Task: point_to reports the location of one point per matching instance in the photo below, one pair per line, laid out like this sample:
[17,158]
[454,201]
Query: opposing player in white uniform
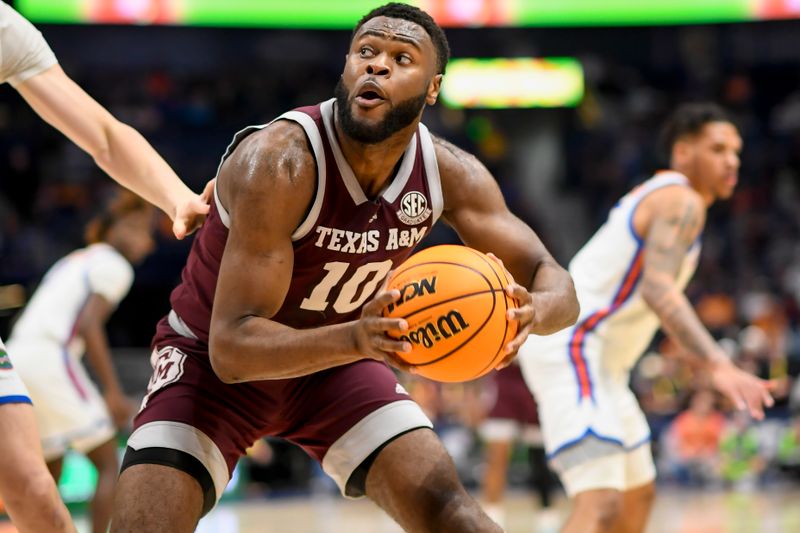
[630,278]
[64,320]
[28,64]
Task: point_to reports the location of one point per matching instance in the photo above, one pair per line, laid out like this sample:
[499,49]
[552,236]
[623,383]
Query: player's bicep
[267,184]
[675,225]
[254,275]
[506,236]
[476,209]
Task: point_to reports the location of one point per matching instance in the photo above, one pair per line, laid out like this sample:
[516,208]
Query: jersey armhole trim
[314,137]
[224,216]
[431,171]
[310,128]
[671,181]
[223,213]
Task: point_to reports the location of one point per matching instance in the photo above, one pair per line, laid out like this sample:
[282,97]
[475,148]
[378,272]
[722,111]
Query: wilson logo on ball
[413,208]
[411,290]
[436,330]
[454,301]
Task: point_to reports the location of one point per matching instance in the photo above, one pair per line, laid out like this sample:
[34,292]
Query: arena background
[189,88]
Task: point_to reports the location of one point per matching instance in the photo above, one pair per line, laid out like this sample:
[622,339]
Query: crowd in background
[747,289]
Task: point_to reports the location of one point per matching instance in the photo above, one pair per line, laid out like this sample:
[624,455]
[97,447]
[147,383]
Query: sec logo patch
[413,208]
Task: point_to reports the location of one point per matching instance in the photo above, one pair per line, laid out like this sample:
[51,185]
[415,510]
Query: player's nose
[379,66]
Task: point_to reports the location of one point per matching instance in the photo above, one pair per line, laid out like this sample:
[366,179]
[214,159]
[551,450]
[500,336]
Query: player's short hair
[687,120]
[413,14]
[121,204]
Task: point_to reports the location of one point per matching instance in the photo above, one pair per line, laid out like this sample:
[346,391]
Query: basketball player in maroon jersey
[311,213]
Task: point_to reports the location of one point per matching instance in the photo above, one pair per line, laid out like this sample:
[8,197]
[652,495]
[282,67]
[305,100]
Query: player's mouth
[370,95]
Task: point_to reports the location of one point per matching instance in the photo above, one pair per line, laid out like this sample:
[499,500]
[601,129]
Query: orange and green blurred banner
[343,14]
[501,83]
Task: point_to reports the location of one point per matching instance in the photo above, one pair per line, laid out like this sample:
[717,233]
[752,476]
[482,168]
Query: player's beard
[398,117]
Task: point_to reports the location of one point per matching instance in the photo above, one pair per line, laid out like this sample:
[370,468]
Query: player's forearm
[259,349]
[679,320]
[99,356]
[554,298]
[116,147]
[128,158]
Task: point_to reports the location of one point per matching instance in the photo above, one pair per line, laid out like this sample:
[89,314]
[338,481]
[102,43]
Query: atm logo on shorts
[5,362]
[167,366]
[413,208]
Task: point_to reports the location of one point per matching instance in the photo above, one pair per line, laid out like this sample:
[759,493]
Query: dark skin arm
[475,208]
[91,327]
[671,219]
[267,185]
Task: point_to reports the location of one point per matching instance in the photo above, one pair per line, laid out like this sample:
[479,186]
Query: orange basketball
[454,301]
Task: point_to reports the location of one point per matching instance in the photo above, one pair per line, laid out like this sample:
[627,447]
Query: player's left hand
[190,215]
[745,390]
[524,314]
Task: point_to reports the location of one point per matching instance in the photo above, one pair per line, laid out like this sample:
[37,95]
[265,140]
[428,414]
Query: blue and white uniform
[595,434]
[23,54]
[47,348]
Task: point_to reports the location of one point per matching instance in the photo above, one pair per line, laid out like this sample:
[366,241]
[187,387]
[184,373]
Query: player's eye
[404,59]
[365,51]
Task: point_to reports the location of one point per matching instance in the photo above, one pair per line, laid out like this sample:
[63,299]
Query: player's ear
[433,89]
[681,150]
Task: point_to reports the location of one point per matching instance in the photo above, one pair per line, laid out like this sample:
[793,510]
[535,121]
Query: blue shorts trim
[20,398]
[586,434]
[639,444]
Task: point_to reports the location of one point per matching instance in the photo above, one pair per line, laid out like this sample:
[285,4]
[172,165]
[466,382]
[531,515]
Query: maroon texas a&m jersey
[345,246]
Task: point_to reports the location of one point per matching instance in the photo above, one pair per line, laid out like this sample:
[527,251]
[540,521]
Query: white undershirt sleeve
[23,51]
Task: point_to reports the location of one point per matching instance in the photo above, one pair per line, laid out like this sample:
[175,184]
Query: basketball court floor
[776,510]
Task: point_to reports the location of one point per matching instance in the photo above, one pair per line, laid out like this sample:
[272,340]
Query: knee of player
[40,488]
[608,508]
[601,508]
[447,508]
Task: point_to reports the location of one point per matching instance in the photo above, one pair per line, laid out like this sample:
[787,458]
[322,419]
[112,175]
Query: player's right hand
[370,331]
[191,214]
[120,407]
[745,390]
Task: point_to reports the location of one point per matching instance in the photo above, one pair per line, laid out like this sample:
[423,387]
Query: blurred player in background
[311,212]
[630,278]
[28,64]
[513,418]
[65,319]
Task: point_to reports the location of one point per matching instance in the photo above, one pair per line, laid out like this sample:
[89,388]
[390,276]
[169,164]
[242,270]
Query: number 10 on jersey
[370,275]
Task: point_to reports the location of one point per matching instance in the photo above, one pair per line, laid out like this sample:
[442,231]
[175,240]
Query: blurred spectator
[691,455]
[741,464]
[789,449]
[512,419]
